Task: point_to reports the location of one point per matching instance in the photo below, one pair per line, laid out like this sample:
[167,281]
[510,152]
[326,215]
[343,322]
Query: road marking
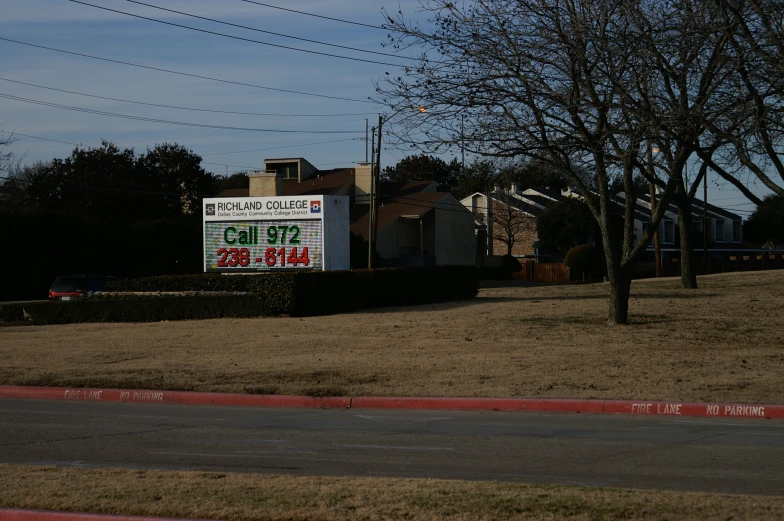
[392,447]
[744,424]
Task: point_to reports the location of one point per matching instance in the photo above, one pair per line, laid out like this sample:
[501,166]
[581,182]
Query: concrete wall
[265,185]
[362,178]
[454,233]
[387,240]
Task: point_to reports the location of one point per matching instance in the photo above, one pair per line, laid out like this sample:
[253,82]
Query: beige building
[417,225]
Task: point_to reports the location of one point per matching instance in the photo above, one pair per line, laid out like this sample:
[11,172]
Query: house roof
[393,207]
[325,182]
[515,202]
[696,209]
[536,199]
[404,187]
[546,192]
[322,183]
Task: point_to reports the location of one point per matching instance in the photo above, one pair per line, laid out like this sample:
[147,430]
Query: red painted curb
[637,407]
[18,514]
[173,397]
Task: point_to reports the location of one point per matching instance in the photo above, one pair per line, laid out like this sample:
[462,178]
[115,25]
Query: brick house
[513,214]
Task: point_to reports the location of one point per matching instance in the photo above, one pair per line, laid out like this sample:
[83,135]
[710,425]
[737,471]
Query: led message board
[251,234]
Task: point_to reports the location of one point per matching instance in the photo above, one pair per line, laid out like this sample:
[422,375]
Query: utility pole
[377,178]
[371,242]
[652,191]
[366,140]
[705,222]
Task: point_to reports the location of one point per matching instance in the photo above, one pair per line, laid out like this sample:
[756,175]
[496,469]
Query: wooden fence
[722,262]
[548,272]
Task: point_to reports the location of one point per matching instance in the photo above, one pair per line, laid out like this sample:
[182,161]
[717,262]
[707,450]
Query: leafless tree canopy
[542,79]
[594,86]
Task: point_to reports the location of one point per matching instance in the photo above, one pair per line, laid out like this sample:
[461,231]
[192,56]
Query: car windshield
[67,284]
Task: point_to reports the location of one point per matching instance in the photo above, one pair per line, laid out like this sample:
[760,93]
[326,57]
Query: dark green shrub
[271,294]
[584,261]
[138,309]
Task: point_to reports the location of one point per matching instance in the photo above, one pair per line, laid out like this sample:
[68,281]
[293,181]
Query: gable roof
[324,182]
[515,202]
[393,207]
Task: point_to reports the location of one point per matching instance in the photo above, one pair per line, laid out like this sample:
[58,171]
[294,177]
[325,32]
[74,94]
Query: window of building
[737,231]
[288,170]
[669,231]
[696,226]
[719,229]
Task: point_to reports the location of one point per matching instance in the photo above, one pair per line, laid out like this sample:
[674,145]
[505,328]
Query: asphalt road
[716,455]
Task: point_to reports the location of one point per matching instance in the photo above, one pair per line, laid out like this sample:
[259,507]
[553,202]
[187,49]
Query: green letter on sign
[226,235]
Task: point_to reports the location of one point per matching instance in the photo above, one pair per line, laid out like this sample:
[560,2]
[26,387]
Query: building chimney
[362,179]
[265,184]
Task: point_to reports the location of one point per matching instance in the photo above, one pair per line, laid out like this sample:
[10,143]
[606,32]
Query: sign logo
[315,207]
[210,209]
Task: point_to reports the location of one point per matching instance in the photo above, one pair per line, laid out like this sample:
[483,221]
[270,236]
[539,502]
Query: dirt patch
[722,342]
[250,497]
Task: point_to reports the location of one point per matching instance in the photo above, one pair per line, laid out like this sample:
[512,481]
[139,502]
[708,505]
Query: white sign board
[251,234]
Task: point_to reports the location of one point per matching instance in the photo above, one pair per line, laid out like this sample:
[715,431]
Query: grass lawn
[250,497]
[722,342]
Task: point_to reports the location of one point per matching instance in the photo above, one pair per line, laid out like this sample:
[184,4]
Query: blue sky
[82,29]
[78,28]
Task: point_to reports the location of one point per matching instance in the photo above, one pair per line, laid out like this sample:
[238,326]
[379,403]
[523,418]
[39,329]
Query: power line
[243,168]
[187,108]
[202,155]
[148,67]
[279,148]
[264,31]
[314,15]
[224,35]
[52,140]
[170,122]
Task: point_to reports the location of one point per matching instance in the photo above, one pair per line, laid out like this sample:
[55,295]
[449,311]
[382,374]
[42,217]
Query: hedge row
[135,309]
[293,293]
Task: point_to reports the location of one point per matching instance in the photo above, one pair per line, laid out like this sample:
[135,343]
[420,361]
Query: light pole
[652,191]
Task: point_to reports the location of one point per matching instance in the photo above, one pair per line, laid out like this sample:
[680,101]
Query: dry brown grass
[720,342]
[249,497]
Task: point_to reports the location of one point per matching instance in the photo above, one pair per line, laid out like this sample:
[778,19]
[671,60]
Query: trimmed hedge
[293,293]
[134,309]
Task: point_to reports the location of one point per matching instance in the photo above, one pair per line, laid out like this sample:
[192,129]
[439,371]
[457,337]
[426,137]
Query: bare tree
[510,222]
[681,90]
[7,185]
[6,157]
[539,79]
[747,142]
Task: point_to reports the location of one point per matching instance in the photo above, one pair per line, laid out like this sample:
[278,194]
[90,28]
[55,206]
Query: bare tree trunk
[686,232]
[620,288]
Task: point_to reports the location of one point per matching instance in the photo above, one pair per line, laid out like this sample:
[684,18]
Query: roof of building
[516,203]
[551,194]
[696,209]
[393,207]
[536,199]
[323,183]
[404,187]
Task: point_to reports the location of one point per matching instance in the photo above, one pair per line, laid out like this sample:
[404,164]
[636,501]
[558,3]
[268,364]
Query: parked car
[68,287]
